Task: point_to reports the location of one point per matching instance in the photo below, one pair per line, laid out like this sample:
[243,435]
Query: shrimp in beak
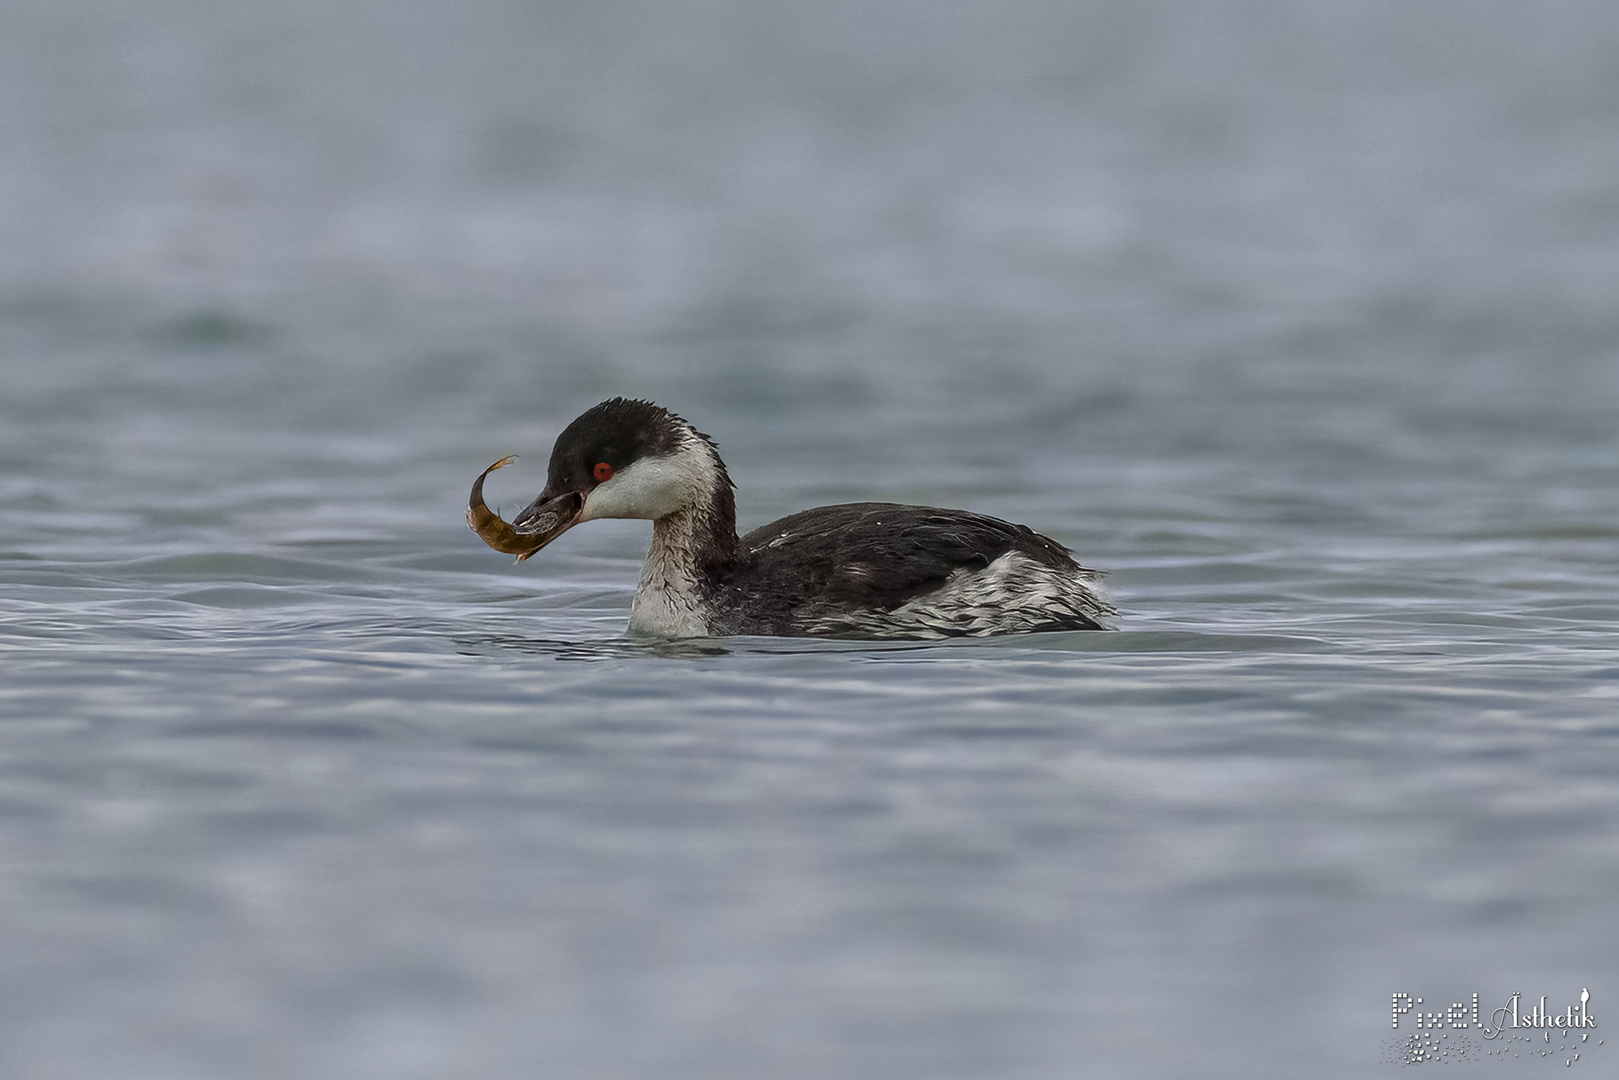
[547,518]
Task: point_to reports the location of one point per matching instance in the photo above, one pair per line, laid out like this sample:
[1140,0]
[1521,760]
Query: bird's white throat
[674,491]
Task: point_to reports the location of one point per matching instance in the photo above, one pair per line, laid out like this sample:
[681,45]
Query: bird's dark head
[624,459]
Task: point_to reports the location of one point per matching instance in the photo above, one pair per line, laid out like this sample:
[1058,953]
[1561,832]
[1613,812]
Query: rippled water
[1298,321]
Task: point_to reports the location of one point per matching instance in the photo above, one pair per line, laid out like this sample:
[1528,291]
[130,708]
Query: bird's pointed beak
[545,519]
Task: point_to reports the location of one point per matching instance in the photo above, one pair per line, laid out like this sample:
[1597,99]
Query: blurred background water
[1299,317]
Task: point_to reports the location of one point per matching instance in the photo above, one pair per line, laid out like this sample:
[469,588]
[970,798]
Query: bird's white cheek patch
[651,488]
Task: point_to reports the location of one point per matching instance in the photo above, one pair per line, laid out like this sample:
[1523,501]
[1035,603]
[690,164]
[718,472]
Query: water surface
[1296,320]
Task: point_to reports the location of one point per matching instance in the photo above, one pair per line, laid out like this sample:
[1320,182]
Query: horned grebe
[861,570]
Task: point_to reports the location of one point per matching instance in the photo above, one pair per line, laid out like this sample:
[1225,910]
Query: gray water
[1299,318]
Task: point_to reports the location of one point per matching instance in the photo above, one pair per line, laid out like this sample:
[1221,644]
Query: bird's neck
[693,551]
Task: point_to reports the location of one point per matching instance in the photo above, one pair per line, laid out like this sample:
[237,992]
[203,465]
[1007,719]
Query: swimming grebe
[861,570]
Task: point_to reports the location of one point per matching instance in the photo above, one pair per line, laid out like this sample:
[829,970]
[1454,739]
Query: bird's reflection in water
[590,651]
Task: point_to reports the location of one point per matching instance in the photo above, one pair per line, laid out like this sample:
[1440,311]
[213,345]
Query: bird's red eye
[604,472]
